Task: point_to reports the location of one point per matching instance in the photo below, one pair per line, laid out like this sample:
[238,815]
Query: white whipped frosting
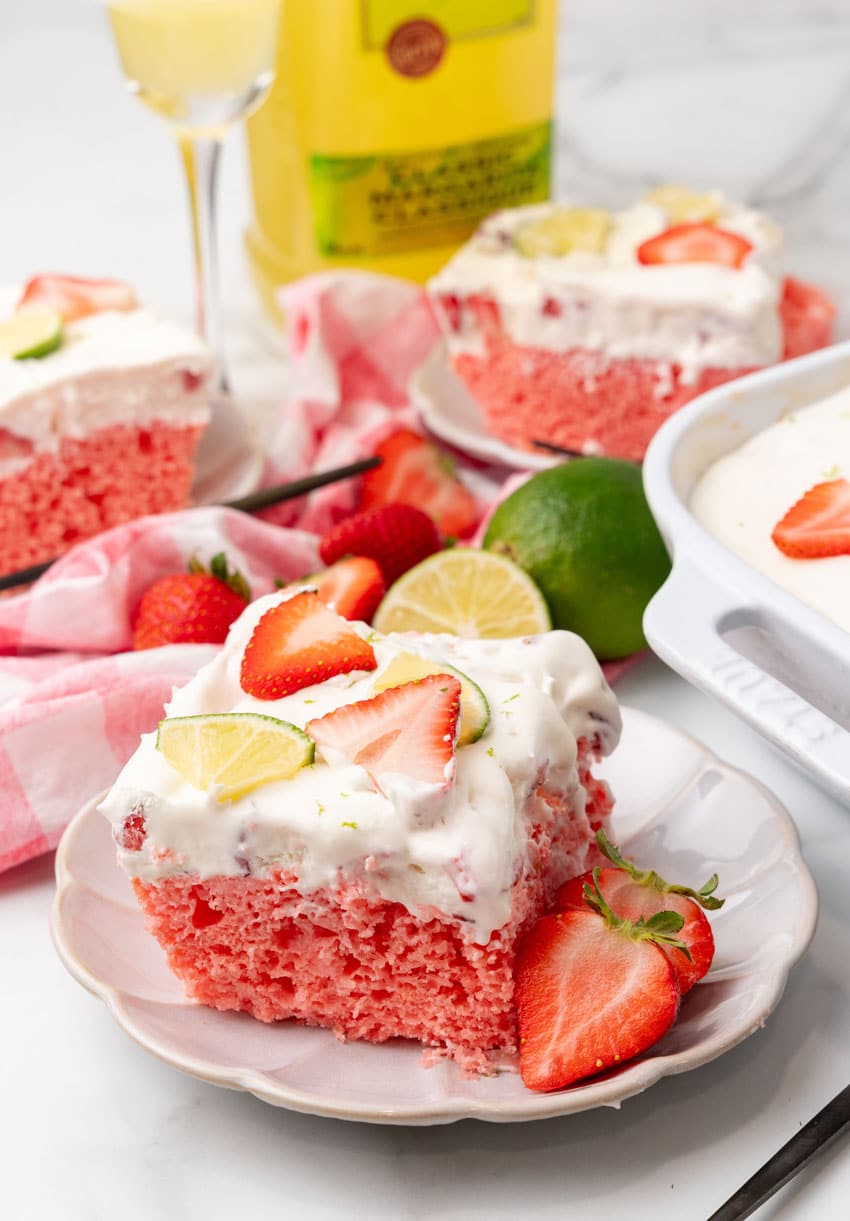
[417,846]
[118,366]
[695,315]
[743,496]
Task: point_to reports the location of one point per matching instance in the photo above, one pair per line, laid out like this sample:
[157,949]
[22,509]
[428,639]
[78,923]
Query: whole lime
[584,533]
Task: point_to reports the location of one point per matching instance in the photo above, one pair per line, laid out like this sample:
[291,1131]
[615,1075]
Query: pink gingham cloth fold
[74,697]
[354,339]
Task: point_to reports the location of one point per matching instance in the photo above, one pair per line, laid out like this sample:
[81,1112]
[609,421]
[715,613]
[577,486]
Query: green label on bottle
[392,202]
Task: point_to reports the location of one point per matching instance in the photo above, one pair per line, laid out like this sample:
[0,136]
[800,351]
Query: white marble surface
[752,97]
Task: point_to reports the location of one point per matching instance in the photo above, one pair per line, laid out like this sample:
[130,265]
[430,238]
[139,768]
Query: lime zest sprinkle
[353,825]
[320,809]
[511,698]
[491,752]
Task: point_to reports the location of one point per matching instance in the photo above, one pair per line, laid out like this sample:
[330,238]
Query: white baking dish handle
[684,624]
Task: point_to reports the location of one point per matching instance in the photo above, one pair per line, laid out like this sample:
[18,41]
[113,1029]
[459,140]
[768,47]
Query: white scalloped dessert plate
[452,414]
[678,807]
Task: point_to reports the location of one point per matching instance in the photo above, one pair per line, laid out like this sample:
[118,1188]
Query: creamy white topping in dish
[743,496]
[545,693]
[695,315]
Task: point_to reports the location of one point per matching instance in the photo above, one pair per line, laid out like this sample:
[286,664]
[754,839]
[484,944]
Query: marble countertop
[753,98]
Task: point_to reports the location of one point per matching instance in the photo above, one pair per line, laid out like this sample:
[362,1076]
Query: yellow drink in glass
[199,63]
[202,65]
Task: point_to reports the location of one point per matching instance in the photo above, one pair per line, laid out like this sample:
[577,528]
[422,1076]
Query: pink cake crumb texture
[583,399]
[363,966]
[92,483]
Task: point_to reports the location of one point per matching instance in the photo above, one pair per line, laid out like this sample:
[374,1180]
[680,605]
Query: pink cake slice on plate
[102,429]
[588,329]
[379,906]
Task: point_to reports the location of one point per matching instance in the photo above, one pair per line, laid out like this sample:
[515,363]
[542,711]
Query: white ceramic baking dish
[783,667]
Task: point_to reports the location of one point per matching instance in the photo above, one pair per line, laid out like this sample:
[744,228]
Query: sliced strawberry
[352,587]
[696,242]
[298,643]
[75,298]
[630,901]
[636,894]
[818,525]
[396,536]
[414,471]
[194,607]
[588,998]
[411,729]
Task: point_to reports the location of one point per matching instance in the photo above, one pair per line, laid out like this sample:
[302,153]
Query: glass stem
[200,160]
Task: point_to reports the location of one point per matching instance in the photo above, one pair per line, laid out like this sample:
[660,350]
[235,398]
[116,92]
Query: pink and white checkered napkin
[74,697]
[355,339]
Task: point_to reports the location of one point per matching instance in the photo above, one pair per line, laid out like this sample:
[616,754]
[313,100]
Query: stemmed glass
[203,65]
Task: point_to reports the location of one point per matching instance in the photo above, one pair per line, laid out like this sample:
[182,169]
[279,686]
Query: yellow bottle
[393,128]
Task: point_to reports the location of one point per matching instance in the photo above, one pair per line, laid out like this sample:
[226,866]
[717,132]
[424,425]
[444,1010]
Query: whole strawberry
[194,607]
[396,536]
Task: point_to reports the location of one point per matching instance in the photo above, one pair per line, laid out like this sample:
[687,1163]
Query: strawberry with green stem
[593,990]
[635,893]
[193,607]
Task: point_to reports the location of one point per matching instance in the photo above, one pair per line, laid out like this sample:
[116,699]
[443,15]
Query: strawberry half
[818,525]
[75,298]
[591,993]
[352,587]
[298,643]
[634,894]
[414,471]
[396,536]
[194,607]
[696,242]
[411,729]
[631,901]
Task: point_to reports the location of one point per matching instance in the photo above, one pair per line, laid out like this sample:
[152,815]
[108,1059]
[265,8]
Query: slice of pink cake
[588,329]
[99,430]
[379,891]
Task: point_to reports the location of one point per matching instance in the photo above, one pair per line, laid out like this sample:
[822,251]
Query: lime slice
[682,205]
[474,709]
[563,232]
[31,333]
[233,752]
[465,593]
